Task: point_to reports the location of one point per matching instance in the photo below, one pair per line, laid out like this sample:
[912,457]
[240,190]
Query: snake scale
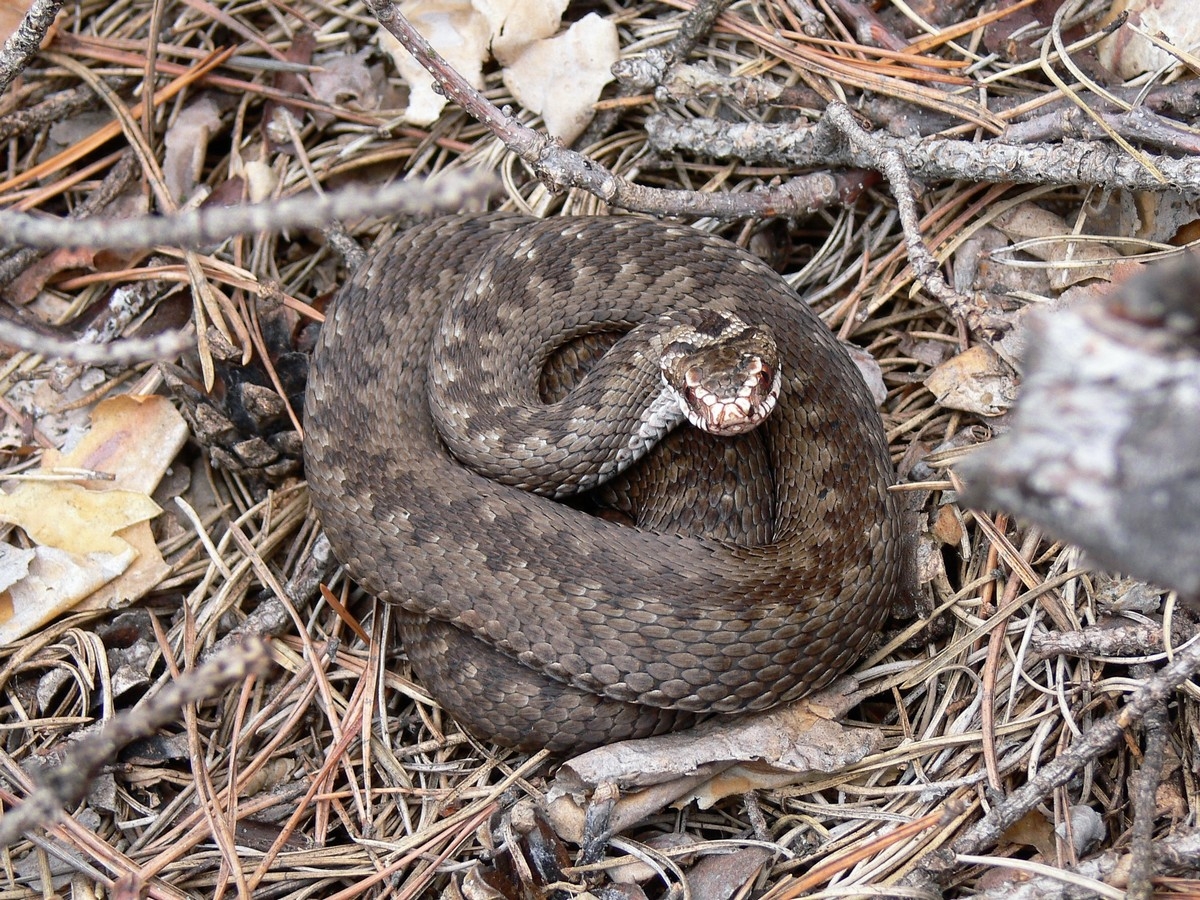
[536,624]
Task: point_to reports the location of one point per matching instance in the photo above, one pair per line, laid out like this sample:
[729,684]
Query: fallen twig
[21,46]
[67,784]
[560,168]
[1088,163]
[193,228]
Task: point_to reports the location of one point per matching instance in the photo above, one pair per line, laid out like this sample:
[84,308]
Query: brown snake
[533,623]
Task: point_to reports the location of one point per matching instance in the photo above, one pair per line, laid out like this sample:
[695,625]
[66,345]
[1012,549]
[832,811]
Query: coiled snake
[536,624]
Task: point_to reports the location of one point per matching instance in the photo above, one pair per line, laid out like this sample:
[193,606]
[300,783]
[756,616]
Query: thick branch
[929,159]
[21,46]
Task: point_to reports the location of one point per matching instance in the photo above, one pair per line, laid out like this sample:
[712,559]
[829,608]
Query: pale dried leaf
[979,267]
[73,518]
[768,749]
[261,180]
[186,144]
[514,24]
[1087,828]
[140,577]
[868,368]
[976,380]
[1163,216]
[347,81]
[561,78]
[14,564]
[103,549]
[457,32]
[1069,261]
[53,583]
[134,439]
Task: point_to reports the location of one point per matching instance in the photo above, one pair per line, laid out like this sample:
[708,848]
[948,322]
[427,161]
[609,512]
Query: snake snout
[727,383]
[731,412]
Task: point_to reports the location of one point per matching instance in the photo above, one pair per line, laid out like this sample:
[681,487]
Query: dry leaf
[868,368]
[133,439]
[78,128]
[514,24]
[1086,831]
[136,439]
[726,875]
[713,760]
[976,380]
[1169,217]
[26,286]
[35,399]
[561,78]
[186,143]
[457,32]
[91,554]
[73,518]
[948,525]
[14,564]
[1070,261]
[1129,54]
[983,263]
[637,870]
[1034,830]
[140,577]
[347,81]
[52,582]
[261,180]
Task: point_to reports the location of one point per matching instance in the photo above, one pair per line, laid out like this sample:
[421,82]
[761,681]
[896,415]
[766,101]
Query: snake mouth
[732,412]
[724,372]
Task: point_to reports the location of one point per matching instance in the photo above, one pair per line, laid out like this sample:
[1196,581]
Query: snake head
[724,372]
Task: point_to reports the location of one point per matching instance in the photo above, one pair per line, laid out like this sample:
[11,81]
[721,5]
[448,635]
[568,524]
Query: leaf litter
[332,773]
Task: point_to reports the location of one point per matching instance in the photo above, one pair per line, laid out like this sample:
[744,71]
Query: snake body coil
[536,624]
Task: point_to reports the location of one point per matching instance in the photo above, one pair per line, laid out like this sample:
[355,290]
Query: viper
[536,623]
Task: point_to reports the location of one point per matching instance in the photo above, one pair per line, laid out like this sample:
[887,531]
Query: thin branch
[888,161]
[646,72]
[641,74]
[124,351]
[67,784]
[1145,800]
[55,108]
[1097,740]
[14,262]
[194,228]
